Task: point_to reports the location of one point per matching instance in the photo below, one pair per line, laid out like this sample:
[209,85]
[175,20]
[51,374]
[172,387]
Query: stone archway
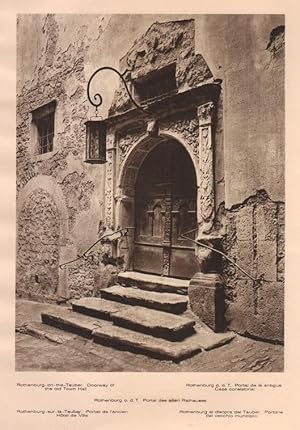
[126,203]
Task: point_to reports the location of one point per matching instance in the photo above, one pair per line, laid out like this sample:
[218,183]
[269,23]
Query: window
[43,122]
[156,84]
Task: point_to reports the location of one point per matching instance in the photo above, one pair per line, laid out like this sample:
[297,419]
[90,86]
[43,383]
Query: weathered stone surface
[32,354]
[163,44]
[167,302]
[255,240]
[71,321]
[244,223]
[210,340]
[162,348]
[153,282]
[267,259]
[96,307]
[38,246]
[42,331]
[206,296]
[269,323]
[241,307]
[156,323]
[131,340]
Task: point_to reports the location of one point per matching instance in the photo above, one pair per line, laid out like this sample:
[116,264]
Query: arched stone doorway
[158,193]
[165,208]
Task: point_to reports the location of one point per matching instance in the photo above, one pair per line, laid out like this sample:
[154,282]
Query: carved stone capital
[206,113]
[153,128]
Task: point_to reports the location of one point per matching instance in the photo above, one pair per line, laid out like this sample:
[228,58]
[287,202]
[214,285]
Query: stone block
[267,259]
[206,295]
[268,322]
[241,310]
[244,223]
[244,256]
[266,222]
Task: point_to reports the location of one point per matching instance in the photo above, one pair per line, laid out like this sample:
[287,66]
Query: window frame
[43,129]
[154,79]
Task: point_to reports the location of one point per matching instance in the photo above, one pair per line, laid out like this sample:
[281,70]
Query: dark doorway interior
[166,191]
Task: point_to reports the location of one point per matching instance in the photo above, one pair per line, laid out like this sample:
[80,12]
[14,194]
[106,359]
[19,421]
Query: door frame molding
[130,137]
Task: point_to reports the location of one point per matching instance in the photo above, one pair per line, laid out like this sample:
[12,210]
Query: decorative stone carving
[129,139]
[187,127]
[206,192]
[167,228]
[153,128]
[166,261]
[206,113]
[110,174]
[163,44]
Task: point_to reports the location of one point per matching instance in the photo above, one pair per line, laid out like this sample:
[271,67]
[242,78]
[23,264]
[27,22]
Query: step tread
[154,319]
[150,282]
[66,319]
[146,343]
[101,330]
[150,296]
[97,304]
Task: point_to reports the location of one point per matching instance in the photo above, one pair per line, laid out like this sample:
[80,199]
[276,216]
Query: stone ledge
[166,302]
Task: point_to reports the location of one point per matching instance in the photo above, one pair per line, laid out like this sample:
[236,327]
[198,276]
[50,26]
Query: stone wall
[38,246]
[254,239]
[59,47]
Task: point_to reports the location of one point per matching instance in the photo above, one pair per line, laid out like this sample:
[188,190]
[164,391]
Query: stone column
[125,216]
[206,197]
[206,290]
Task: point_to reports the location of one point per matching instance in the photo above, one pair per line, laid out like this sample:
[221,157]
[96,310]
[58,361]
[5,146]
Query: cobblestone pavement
[63,351]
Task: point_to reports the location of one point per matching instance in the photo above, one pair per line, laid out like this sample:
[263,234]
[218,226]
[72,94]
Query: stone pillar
[206,192]
[206,296]
[206,290]
[110,179]
[125,218]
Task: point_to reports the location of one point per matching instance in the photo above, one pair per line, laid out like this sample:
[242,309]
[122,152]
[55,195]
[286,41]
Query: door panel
[148,258]
[165,208]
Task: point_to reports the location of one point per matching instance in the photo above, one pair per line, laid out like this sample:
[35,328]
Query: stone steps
[122,338]
[71,321]
[166,302]
[149,321]
[106,333]
[162,284]
[98,308]
[155,323]
[147,314]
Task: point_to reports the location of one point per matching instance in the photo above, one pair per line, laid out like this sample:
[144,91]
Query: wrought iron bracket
[97,100]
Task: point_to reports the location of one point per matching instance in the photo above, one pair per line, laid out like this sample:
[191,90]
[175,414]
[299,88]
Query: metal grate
[46,133]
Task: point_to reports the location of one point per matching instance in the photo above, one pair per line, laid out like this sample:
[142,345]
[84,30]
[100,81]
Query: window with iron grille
[43,121]
[156,84]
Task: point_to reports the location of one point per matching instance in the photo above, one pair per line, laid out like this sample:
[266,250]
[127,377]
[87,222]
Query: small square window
[156,84]
[43,122]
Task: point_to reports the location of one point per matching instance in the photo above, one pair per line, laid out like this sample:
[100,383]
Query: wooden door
[165,208]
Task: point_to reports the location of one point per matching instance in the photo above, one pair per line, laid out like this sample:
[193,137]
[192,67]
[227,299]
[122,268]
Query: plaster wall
[236,49]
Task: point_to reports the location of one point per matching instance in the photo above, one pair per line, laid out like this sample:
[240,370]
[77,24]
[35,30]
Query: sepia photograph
[150,193]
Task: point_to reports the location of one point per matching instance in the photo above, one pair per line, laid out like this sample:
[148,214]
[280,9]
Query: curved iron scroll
[97,98]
